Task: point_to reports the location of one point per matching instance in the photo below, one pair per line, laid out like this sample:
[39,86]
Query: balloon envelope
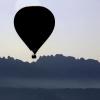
[34,25]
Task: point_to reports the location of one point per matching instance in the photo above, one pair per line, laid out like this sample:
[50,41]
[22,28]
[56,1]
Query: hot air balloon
[34,25]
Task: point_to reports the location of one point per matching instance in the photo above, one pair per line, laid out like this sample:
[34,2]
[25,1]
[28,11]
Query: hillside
[48,69]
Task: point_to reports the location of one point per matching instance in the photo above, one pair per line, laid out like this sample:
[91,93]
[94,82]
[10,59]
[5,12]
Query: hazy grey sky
[77,31]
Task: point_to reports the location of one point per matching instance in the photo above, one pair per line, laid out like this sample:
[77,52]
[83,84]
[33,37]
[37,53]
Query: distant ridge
[57,56]
[50,72]
[57,66]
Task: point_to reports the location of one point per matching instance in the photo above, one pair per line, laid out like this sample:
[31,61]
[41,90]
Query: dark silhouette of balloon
[34,25]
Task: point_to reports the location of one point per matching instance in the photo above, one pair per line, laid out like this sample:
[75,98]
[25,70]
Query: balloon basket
[33,56]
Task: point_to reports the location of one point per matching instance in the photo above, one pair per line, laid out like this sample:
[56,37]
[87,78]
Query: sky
[76,33]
